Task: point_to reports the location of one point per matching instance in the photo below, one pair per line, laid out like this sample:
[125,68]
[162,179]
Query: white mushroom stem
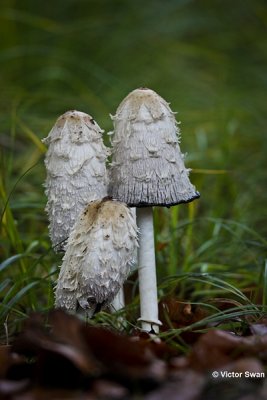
[118,303]
[147,271]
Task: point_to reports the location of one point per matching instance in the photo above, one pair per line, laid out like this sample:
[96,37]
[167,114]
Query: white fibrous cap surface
[98,257]
[76,171]
[147,164]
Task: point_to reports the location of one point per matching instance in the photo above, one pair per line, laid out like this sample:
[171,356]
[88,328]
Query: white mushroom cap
[99,253]
[76,171]
[147,165]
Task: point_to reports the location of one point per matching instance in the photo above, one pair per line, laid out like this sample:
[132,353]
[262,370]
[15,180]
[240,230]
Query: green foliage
[208,58]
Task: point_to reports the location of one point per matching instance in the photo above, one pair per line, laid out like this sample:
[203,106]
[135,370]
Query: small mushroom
[76,171]
[148,170]
[99,254]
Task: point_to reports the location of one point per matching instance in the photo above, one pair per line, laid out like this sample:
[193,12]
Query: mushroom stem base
[147,271]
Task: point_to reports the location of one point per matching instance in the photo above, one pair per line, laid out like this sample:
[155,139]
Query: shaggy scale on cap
[76,171]
[147,166]
[99,253]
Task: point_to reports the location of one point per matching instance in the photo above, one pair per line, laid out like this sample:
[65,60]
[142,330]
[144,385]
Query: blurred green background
[208,58]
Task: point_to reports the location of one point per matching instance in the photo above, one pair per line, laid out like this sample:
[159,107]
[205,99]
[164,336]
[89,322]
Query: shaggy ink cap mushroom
[99,254]
[147,166]
[76,171]
[147,170]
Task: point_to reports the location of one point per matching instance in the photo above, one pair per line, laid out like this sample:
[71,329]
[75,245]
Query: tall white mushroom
[76,171]
[148,170]
[99,253]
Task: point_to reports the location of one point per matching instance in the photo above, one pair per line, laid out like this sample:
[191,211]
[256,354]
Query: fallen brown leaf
[217,348]
[178,314]
[187,386]
[5,359]
[242,365]
[10,387]
[63,341]
[258,329]
[61,357]
[120,355]
[106,389]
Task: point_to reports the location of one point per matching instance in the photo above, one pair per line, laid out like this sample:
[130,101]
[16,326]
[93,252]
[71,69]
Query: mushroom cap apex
[143,93]
[74,114]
